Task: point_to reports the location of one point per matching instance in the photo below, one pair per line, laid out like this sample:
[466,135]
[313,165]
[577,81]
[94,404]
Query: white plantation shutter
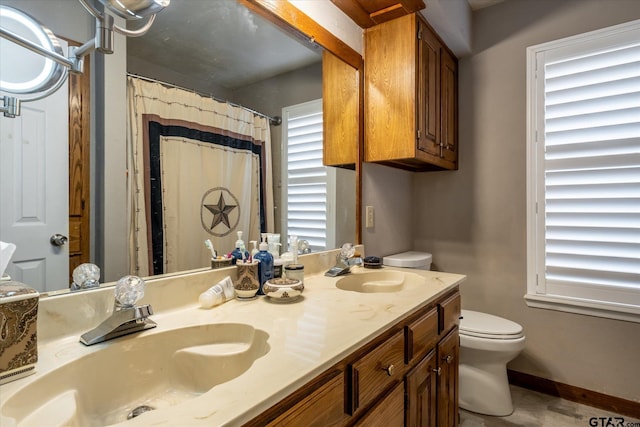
[585,162]
[305,180]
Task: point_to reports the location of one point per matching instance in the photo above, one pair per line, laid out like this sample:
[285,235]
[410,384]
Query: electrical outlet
[369,217]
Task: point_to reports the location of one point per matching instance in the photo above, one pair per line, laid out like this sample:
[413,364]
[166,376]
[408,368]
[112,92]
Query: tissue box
[18,331]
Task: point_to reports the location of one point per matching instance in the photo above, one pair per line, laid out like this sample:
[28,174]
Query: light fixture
[53,67]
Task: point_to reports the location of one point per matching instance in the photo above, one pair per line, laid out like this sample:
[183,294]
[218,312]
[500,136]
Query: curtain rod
[275,121]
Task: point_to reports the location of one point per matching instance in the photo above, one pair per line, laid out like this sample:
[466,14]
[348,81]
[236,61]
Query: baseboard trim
[576,394]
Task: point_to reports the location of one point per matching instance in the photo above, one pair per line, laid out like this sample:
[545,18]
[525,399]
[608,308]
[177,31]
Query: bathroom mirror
[143,66]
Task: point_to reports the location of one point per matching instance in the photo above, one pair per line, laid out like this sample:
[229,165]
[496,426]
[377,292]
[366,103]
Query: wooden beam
[295,22]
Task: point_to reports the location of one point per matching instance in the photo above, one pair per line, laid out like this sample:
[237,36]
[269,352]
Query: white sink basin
[378,281]
[158,370]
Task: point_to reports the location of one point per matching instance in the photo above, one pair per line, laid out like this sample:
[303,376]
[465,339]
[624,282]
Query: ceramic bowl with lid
[283,289]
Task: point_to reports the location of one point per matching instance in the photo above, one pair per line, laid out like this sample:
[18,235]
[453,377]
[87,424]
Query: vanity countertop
[305,338]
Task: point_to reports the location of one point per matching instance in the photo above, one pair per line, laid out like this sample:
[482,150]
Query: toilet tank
[411,259]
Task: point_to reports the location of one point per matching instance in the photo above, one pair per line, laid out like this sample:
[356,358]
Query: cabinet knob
[389,369]
[448,359]
[437,371]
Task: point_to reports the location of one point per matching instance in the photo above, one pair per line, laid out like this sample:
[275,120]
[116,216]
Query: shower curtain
[200,169]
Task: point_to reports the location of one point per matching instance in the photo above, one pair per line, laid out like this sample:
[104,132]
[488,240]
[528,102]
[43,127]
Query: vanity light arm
[27,44]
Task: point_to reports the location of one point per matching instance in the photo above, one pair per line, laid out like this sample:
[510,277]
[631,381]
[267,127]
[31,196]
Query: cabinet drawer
[421,335]
[377,370]
[450,313]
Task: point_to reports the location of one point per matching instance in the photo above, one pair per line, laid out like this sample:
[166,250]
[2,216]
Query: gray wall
[474,220]
[269,97]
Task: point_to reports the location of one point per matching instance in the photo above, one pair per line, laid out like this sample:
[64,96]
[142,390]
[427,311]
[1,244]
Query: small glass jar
[295,272]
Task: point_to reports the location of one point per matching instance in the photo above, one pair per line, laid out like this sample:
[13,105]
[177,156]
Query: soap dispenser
[294,270]
[254,248]
[240,252]
[265,266]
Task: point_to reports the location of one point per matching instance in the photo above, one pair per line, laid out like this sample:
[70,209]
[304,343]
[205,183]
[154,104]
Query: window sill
[627,313]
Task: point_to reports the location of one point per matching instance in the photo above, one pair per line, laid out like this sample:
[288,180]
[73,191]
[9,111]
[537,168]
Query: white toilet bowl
[487,344]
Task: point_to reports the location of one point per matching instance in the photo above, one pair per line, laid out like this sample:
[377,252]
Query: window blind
[592,173]
[306,183]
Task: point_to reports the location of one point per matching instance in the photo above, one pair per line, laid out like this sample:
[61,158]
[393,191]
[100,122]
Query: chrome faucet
[127,317]
[344,261]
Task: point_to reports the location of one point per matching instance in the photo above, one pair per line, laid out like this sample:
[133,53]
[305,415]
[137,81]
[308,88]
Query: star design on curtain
[220,212]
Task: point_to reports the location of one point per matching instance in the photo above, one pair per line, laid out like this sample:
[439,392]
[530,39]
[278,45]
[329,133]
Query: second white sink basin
[378,281]
[156,370]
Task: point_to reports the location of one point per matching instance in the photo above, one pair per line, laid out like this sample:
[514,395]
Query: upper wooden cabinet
[341,112]
[411,110]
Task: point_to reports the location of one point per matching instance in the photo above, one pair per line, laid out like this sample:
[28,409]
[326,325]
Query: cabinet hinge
[419,34]
[418,134]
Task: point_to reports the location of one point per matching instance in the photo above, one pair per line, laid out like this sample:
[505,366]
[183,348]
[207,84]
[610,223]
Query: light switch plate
[369,223]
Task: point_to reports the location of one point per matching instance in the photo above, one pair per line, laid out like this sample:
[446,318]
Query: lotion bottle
[265,267]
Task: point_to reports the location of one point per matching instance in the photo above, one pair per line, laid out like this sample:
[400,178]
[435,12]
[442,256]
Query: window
[308,186]
[583,173]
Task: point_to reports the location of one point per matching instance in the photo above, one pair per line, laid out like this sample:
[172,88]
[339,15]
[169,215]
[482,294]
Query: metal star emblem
[220,212]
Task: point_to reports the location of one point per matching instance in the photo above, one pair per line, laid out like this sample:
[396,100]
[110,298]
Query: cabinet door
[428,91]
[341,111]
[448,108]
[448,353]
[420,389]
[322,408]
[388,413]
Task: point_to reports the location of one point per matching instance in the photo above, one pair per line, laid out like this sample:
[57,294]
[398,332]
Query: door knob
[58,240]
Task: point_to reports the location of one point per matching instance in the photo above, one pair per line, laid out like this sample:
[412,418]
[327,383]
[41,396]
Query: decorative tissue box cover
[18,322]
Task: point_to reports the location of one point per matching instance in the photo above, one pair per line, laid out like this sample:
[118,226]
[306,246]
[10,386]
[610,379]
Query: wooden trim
[354,10]
[595,399]
[295,22]
[366,15]
[79,165]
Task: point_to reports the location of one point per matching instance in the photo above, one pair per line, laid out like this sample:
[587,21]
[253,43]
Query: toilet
[487,344]
[411,259]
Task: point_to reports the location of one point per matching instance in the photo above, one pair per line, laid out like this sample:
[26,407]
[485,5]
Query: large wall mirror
[249,56]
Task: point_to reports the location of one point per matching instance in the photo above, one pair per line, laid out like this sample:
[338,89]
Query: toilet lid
[486,325]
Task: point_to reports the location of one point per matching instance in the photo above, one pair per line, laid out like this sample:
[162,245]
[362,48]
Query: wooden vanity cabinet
[411,110]
[408,376]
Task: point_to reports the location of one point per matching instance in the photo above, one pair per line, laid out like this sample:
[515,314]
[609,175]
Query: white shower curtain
[200,169]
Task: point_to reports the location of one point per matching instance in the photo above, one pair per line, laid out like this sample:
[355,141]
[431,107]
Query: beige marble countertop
[305,338]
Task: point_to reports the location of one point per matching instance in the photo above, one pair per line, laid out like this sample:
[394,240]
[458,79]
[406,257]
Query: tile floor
[533,409]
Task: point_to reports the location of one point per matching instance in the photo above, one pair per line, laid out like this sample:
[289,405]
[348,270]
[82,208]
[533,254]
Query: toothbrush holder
[247,283]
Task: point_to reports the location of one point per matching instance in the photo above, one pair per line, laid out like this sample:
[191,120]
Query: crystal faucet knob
[129,290]
[86,276]
[347,251]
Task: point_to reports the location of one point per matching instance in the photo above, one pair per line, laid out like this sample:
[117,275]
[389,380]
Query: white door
[34,180]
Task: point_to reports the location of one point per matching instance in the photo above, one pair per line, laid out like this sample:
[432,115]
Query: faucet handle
[129,290]
[142,312]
